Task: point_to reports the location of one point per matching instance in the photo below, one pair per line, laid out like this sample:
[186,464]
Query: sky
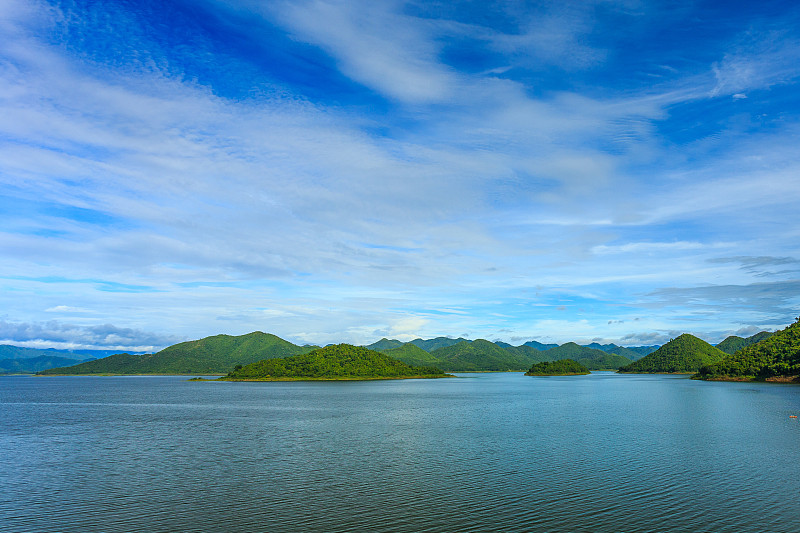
[342,171]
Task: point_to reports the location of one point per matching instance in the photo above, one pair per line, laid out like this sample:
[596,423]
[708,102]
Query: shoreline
[556,375]
[786,380]
[342,378]
[107,375]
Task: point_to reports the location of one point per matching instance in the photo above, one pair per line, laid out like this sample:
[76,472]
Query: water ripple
[498,452]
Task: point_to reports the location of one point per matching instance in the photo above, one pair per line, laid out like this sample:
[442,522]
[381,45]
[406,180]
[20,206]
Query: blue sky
[345,171]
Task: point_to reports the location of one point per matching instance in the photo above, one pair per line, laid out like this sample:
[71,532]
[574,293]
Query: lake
[485,452]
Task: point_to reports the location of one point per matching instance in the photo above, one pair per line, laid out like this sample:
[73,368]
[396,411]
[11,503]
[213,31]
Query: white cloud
[555,35]
[760,60]
[640,247]
[374,44]
[72,336]
[66,309]
[315,228]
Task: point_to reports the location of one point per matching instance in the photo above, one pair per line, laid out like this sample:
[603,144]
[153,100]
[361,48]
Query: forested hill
[385,344]
[210,355]
[627,353]
[479,355]
[429,345]
[339,361]
[411,354]
[734,343]
[591,358]
[539,346]
[683,355]
[775,358]
[643,350]
[562,367]
[220,353]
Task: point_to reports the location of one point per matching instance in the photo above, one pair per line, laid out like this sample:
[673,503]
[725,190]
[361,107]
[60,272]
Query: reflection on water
[496,452]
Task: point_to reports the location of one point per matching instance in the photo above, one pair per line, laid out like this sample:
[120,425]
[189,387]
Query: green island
[219,354]
[335,362]
[682,355]
[591,358]
[776,358]
[764,356]
[562,367]
[479,355]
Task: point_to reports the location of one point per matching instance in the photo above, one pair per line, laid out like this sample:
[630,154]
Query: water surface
[487,452]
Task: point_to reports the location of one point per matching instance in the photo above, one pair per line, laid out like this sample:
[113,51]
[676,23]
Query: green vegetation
[412,354]
[570,350]
[588,357]
[479,356]
[211,355]
[682,355]
[776,358]
[339,361]
[642,350]
[627,353]
[607,361]
[220,353]
[562,367]
[529,353]
[429,345]
[385,344]
[462,355]
[733,343]
[113,364]
[539,346]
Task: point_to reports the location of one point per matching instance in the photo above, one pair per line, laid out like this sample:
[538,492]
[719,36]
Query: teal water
[487,452]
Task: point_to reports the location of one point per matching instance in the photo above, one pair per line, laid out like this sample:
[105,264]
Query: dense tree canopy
[479,355]
[413,355]
[591,358]
[210,355]
[339,361]
[562,367]
[734,343]
[777,355]
[684,354]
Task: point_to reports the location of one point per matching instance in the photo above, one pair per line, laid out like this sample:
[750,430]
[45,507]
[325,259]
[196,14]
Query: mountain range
[211,355]
[220,353]
[8,351]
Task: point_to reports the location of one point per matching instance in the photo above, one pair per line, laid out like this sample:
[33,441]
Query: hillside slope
[682,355]
[339,361]
[733,343]
[480,356]
[591,358]
[384,344]
[210,355]
[430,345]
[412,354]
[776,358]
[562,367]
[627,353]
